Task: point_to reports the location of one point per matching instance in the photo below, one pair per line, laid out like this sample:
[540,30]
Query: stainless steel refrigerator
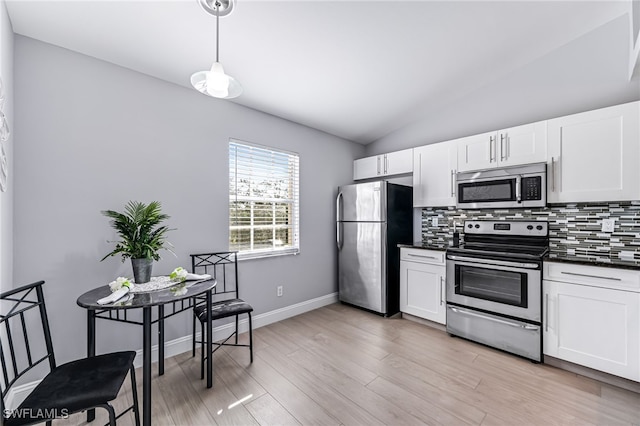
[371,220]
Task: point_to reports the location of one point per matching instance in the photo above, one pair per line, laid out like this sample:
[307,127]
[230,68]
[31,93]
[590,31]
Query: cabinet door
[398,162]
[594,156]
[368,167]
[434,175]
[422,290]
[523,144]
[595,327]
[477,152]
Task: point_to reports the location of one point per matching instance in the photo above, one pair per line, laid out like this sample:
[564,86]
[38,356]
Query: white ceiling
[359,70]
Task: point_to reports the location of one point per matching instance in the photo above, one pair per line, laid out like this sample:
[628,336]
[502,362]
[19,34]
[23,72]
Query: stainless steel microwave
[506,187]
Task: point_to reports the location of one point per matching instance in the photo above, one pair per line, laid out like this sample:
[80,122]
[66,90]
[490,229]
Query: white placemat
[156,283]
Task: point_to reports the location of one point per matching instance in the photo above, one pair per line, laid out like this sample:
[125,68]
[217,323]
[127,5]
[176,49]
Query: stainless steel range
[494,285]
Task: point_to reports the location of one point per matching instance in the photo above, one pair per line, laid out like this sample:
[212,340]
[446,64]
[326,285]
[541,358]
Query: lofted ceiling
[356,69]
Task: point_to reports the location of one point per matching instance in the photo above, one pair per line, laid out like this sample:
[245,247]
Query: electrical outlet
[626,255]
[279,291]
[434,221]
[608,225]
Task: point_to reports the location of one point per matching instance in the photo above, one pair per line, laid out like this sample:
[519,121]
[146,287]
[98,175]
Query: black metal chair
[25,342]
[222,266]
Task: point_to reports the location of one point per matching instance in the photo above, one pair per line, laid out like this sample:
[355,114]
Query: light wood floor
[339,365]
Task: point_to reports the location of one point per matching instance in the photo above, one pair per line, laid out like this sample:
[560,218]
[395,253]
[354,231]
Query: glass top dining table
[176,298]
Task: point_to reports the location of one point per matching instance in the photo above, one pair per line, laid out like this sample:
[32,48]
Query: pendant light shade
[216,82]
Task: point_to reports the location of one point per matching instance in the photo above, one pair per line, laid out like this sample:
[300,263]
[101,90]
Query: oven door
[503,287]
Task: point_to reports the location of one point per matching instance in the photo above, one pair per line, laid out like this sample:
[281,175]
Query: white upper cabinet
[508,147]
[595,155]
[477,152]
[398,162]
[522,144]
[393,163]
[434,174]
[365,168]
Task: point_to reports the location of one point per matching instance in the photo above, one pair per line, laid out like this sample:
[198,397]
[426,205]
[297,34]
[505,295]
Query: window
[263,200]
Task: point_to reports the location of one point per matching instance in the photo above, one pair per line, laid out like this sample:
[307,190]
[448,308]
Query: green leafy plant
[139,228]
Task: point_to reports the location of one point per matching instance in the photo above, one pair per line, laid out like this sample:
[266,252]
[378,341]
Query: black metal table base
[147,321]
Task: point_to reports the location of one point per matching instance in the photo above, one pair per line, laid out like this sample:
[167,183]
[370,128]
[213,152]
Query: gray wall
[92,135]
[6,198]
[589,73]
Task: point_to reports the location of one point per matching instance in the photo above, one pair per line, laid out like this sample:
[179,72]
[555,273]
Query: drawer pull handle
[421,255]
[592,276]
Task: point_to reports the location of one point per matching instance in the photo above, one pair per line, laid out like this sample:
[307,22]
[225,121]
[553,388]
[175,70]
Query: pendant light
[215,82]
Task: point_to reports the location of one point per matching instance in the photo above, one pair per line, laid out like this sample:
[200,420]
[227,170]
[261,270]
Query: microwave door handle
[518,189]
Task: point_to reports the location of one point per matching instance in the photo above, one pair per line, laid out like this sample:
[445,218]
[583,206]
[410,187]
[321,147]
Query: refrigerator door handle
[338,239]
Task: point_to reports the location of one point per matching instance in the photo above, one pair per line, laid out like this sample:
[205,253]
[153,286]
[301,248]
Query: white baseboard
[183,344]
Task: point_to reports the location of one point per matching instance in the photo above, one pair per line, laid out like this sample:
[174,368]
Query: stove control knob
[529,227]
[477,226]
[470,226]
[539,227]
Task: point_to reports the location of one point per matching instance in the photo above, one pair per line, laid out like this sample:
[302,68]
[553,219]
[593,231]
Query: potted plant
[141,236]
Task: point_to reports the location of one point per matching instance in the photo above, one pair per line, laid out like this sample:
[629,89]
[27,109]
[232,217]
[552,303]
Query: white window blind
[263,200]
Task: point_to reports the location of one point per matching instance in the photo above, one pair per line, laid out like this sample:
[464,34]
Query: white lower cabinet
[595,324]
[422,284]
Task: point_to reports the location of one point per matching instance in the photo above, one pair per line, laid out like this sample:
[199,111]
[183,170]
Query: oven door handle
[494,262]
[501,321]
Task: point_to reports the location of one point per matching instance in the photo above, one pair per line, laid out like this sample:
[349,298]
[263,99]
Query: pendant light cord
[217,29]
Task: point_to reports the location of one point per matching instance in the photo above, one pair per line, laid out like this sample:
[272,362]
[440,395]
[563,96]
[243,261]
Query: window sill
[262,255]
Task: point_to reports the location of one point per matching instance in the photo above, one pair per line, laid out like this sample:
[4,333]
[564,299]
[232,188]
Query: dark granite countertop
[440,246]
[551,257]
[606,262]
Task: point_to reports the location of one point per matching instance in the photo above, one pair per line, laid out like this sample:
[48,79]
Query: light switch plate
[608,225]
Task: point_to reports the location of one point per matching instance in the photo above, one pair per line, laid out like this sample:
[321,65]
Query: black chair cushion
[223,309]
[78,385]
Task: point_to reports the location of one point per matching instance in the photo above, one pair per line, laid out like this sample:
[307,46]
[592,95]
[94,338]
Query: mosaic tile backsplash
[574,229]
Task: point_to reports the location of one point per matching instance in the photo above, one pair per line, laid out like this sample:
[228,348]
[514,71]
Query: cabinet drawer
[422,255]
[596,276]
